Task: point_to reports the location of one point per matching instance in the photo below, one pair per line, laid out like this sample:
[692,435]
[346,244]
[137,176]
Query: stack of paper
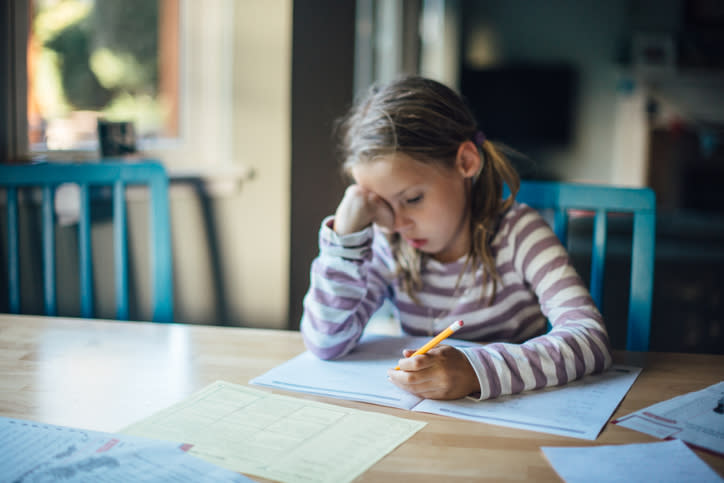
[579,409]
[696,417]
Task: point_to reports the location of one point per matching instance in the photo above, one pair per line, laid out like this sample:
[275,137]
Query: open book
[579,409]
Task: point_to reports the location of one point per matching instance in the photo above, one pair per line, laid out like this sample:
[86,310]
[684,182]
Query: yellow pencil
[437,339]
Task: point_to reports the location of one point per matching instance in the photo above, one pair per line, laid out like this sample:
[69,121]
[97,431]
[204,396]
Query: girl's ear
[468,161]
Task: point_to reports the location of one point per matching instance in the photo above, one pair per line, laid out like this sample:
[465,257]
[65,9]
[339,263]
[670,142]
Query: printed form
[579,409]
[33,452]
[278,437]
[696,417]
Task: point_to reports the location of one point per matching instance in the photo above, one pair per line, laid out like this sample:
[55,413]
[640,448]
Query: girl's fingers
[354,212]
[442,373]
[423,360]
[419,386]
[416,363]
[384,216]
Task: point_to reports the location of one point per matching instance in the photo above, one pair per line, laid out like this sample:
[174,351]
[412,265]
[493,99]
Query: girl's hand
[442,373]
[360,208]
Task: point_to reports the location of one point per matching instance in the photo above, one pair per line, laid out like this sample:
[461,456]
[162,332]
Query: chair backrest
[47,177]
[601,201]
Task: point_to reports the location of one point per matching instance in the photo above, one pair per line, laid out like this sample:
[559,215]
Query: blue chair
[118,175]
[603,200]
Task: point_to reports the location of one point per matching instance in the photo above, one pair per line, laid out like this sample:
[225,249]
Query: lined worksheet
[278,437]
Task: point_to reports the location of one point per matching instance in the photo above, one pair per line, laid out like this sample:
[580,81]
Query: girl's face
[429,203]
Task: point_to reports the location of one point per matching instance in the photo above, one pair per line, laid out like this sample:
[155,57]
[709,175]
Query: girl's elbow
[607,359]
[322,352]
[326,353]
[328,346]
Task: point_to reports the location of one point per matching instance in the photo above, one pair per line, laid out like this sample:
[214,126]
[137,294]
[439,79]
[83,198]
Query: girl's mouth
[417,242]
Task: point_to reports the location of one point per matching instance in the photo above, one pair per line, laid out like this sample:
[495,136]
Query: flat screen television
[526,106]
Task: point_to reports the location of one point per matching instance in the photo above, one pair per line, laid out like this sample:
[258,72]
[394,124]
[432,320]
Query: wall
[231,245]
[255,241]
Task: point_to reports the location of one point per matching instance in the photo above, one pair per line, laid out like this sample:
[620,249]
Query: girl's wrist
[343,228]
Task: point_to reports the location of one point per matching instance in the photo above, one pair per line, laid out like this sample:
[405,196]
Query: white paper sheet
[668,462]
[278,437]
[690,417]
[579,409]
[359,376]
[34,452]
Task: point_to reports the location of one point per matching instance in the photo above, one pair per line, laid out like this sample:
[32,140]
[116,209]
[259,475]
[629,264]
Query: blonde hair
[428,121]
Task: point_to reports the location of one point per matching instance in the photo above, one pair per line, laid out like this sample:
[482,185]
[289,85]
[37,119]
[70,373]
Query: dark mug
[116,138]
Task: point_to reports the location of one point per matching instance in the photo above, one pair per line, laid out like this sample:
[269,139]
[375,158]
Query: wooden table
[104,375]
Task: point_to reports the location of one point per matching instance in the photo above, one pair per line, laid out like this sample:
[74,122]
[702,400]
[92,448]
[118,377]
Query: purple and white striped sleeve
[578,342]
[347,285]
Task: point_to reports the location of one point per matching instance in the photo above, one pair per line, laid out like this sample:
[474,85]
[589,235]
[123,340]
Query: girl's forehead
[397,164]
[389,167]
[391,175]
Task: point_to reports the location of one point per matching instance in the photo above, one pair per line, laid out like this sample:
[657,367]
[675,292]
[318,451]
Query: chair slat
[13,253]
[85,254]
[120,249]
[598,257]
[48,251]
[642,269]
[161,263]
[560,225]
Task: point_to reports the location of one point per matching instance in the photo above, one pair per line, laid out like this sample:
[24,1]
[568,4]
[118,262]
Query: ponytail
[488,206]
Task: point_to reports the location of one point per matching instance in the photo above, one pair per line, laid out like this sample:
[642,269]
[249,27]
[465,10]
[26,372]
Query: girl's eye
[414,200]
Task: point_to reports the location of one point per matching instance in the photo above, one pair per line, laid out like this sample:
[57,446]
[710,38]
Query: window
[93,59]
[175,84]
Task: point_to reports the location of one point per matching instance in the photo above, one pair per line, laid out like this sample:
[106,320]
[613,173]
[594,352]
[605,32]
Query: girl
[424,224]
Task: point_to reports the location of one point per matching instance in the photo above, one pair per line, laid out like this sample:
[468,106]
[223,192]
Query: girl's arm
[577,343]
[348,283]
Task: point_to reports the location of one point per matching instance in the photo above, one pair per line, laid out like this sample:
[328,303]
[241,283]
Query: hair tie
[479,138]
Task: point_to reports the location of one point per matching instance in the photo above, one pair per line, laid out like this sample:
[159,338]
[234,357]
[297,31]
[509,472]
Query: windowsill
[212,180]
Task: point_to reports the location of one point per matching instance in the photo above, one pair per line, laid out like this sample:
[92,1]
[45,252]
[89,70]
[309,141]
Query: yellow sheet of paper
[277,437]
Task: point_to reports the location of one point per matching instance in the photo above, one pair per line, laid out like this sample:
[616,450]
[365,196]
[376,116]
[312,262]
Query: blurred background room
[238,99]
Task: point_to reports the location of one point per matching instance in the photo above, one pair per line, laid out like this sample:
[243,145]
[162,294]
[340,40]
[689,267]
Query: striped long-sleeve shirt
[354,273]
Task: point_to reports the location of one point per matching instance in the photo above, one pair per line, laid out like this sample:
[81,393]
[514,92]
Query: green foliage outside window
[99,56]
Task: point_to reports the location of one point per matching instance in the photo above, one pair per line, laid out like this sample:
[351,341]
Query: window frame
[204,143]
[15,24]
